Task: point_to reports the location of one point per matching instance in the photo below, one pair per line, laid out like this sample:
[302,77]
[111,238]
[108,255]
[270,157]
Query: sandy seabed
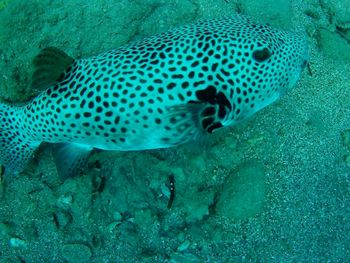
[274,189]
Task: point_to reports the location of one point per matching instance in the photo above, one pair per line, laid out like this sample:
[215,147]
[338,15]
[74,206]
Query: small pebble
[65,201]
[117,216]
[113,225]
[16,242]
[184,246]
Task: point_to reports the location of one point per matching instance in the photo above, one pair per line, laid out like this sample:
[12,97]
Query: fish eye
[261,55]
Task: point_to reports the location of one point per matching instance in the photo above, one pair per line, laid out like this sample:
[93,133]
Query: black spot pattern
[122,99]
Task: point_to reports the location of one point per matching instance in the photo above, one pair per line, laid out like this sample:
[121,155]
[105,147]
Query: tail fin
[16,147]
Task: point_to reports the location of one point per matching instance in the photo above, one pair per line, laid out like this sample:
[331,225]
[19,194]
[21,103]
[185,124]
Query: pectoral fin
[70,158]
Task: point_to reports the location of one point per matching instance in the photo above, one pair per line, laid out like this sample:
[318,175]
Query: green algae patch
[243,193]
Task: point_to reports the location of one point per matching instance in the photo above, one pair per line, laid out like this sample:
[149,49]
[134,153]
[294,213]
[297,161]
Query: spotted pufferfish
[162,91]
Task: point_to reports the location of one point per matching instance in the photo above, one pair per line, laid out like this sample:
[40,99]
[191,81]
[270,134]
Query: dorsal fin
[49,65]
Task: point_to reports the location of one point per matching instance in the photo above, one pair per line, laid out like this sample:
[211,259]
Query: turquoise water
[273,189]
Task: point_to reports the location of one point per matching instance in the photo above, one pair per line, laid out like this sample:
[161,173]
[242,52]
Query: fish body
[160,92]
